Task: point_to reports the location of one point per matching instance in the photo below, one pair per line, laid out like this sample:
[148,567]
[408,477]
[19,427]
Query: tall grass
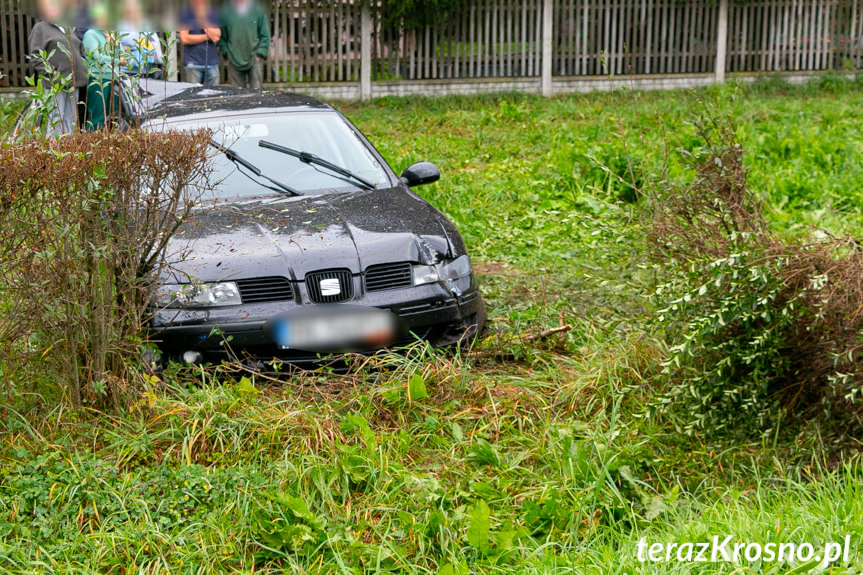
[521,471]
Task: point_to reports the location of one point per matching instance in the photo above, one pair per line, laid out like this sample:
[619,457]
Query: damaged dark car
[306,242]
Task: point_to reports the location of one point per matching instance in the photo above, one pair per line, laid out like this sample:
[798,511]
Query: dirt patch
[489,269]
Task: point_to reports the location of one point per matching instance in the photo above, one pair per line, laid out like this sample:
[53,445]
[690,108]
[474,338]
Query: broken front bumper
[428,312]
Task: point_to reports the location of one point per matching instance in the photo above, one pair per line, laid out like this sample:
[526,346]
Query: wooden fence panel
[616,37]
[314,41]
[483,39]
[15,26]
[794,35]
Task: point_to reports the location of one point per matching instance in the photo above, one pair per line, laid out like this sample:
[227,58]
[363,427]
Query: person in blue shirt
[140,43]
[200,32]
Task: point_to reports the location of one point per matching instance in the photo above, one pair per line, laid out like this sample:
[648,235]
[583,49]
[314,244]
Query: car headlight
[425,275]
[197,295]
[456,273]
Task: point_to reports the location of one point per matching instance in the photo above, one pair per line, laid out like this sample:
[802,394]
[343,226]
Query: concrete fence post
[366,52]
[547,47]
[721,42]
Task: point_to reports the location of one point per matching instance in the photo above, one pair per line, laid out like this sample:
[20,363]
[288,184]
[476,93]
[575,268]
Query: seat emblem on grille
[330,287]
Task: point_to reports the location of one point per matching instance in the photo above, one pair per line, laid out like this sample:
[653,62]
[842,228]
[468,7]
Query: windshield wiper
[309,158]
[240,160]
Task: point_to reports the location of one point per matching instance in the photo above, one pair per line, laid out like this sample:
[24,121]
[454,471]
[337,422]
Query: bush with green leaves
[415,14]
[759,326]
[730,322]
[86,221]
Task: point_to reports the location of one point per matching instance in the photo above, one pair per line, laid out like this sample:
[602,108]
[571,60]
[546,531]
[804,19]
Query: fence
[634,37]
[348,41]
[14,27]
[794,36]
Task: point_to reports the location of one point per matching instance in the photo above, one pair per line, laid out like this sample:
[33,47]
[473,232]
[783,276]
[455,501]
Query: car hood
[292,236]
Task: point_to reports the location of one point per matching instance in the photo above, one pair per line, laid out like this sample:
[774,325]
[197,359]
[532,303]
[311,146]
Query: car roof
[173,100]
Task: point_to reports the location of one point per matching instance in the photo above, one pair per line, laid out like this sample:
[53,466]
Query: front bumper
[428,312]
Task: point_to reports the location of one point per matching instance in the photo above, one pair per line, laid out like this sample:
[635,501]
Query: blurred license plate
[336,330]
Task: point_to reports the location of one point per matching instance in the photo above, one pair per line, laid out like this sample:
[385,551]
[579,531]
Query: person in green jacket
[245,41]
[104,57]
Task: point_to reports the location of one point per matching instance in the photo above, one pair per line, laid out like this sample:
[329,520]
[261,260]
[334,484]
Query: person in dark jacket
[78,15]
[63,66]
[245,41]
[200,32]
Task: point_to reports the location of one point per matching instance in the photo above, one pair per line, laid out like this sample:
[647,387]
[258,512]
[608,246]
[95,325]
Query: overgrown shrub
[759,326]
[86,220]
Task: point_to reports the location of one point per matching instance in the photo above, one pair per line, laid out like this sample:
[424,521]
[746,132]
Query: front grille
[257,290]
[389,276]
[346,285]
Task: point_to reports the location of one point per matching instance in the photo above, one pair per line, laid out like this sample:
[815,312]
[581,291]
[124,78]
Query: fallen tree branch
[497,352]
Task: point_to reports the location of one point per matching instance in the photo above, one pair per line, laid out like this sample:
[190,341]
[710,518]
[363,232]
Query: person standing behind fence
[142,45]
[78,15]
[104,58]
[246,42]
[63,65]
[200,33]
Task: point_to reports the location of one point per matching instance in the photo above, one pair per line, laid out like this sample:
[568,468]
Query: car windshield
[324,134]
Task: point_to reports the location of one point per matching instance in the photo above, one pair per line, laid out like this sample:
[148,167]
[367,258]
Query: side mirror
[421,173]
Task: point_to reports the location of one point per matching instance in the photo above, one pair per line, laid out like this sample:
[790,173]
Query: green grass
[9,110]
[531,461]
